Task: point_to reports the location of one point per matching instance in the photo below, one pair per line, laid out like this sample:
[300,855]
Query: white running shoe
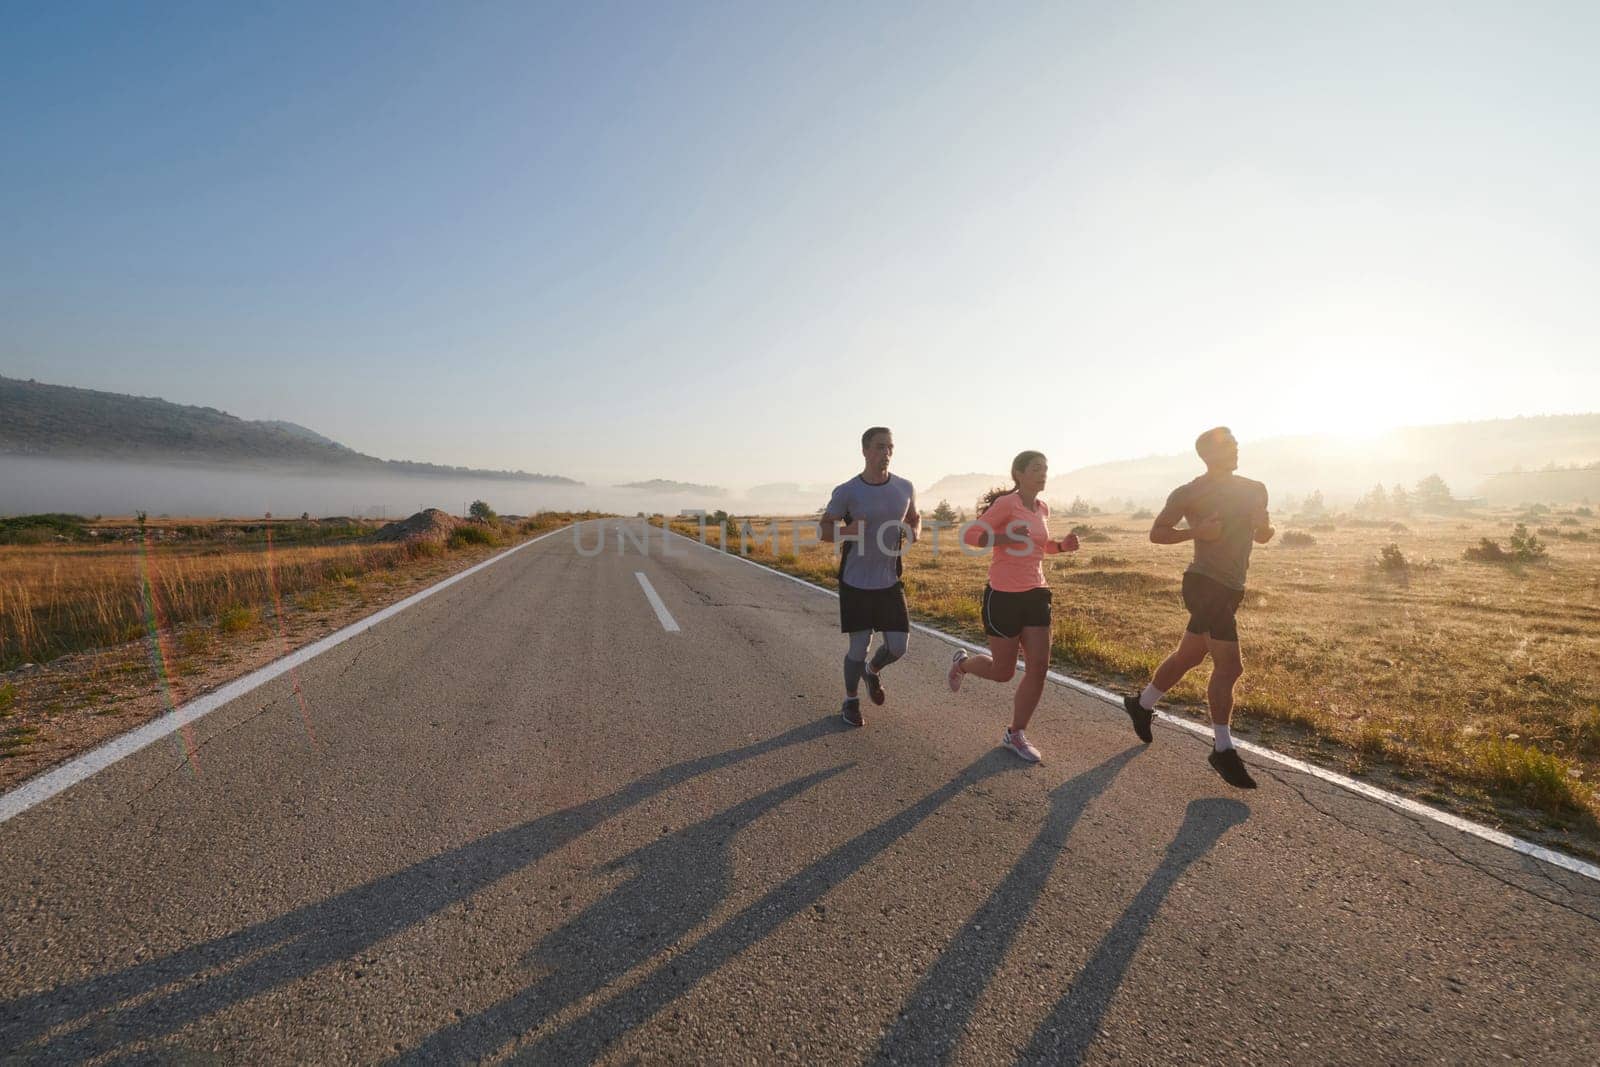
[955,670]
[1016,742]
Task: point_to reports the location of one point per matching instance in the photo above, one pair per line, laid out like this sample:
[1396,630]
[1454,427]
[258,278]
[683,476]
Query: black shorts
[883,610]
[1211,607]
[1005,614]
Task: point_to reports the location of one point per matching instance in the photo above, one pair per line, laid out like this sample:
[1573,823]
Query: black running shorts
[1005,614]
[1211,607]
[883,610]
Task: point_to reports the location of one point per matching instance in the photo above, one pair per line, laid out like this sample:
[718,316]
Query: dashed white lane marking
[1371,792]
[667,622]
[47,785]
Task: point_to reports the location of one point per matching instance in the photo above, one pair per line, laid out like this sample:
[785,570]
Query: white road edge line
[37,790]
[667,622]
[1371,792]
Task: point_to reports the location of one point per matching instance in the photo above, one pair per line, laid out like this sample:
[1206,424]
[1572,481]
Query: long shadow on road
[674,886]
[1065,1035]
[587,1037]
[937,1011]
[106,1013]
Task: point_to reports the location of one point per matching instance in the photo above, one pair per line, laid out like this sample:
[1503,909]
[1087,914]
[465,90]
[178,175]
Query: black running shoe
[1228,764]
[874,686]
[851,712]
[1141,718]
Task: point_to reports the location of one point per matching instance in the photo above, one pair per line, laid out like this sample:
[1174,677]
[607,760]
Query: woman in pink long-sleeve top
[1016,601]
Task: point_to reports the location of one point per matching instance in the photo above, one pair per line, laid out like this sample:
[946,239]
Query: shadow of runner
[937,1011]
[111,1011]
[1065,1035]
[585,1038]
[675,884]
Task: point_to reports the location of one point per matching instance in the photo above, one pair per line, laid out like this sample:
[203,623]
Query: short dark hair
[1205,439]
[871,432]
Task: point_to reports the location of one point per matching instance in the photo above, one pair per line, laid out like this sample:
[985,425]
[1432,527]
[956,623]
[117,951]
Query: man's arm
[1164,531]
[1262,529]
[832,527]
[913,518]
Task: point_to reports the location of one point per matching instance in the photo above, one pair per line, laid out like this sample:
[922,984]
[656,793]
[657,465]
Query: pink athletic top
[1014,568]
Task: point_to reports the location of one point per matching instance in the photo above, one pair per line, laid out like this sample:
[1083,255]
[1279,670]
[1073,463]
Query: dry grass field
[1467,683]
[99,634]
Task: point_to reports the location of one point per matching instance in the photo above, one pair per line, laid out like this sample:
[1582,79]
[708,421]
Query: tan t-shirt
[1238,502]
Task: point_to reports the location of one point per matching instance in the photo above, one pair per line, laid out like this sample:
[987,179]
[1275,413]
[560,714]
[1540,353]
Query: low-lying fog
[94,487]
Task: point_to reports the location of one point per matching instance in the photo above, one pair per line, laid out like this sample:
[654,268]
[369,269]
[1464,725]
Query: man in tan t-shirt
[1226,517]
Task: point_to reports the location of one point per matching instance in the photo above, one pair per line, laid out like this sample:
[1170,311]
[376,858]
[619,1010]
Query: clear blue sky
[711,242]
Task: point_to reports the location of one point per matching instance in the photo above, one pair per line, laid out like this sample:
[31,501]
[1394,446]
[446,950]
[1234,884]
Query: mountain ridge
[70,422]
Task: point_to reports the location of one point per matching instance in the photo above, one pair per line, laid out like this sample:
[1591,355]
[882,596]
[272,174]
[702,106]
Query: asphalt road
[525,821]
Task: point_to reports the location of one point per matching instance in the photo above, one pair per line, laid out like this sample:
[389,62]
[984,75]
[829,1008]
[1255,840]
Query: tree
[482,512]
[1313,507]
[1527,546]
[1079,506]
[1375,502]
[1400,500]
[1433,495]
[944,512]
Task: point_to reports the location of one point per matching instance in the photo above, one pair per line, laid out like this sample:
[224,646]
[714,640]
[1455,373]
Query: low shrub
[472,534]
[1298,539]
[38,529]
[237,619]
[1393,561]
[1526,546]
[1487,551]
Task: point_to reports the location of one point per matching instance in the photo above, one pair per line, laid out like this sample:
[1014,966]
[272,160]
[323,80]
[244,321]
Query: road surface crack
[1427,829]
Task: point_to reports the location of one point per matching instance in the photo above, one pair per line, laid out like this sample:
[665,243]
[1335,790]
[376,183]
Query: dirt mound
[429,525]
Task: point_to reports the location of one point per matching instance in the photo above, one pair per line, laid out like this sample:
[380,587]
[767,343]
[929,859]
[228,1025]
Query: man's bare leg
[1190,653]
[1227,667]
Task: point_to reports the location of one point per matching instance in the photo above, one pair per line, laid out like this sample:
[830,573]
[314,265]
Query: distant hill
[296,430]
[662,485]
[1552,486]
[1476,459]
[962,490]
[61,421]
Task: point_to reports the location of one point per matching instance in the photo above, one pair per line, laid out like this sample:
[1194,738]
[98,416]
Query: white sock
[1148,698]
[1224,739]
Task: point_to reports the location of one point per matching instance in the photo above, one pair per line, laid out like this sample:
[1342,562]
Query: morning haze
[709,245]
[459,601]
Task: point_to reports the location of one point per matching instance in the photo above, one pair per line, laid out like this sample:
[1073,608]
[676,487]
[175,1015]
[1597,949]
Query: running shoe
[1228,764]
[1016,742]
[851,712]
[874,687]
[1140,716]
[955,670]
